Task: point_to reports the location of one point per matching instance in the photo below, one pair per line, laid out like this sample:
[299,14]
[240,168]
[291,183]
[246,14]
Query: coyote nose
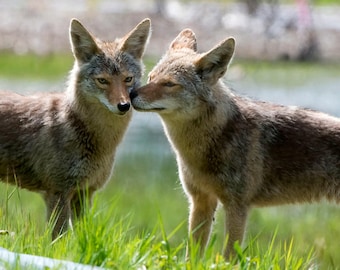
[123,106]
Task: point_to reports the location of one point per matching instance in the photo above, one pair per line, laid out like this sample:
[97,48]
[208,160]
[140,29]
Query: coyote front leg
[58,212]
[236,219]
[81,200]
[202,210]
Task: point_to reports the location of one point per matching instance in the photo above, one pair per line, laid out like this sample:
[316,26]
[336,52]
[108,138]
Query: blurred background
[288,52]
[265,29]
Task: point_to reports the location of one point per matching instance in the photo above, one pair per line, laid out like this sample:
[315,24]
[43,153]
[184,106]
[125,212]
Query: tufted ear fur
[214,64]
[83,44]
[185,39]
[134,42]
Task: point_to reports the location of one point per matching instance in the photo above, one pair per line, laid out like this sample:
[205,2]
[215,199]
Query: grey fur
[64,144]
[234,150]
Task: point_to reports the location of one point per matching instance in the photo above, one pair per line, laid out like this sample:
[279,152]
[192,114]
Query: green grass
[140,219]
[325,2]
[105,238]
[285,73]
[30,66]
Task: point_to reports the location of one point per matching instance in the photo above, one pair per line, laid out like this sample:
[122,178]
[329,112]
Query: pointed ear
[213,64]
[83,43]
[134,42]
[185,39]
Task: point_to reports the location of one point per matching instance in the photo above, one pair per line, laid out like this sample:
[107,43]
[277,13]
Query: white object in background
[12,259]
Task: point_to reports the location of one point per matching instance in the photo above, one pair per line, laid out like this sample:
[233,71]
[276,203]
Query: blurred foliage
[325,2]
[56,66]
[284,72]
[31,66]
[316,2]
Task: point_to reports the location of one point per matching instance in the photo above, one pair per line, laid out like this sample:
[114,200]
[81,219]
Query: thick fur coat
[233,150]
[64,143]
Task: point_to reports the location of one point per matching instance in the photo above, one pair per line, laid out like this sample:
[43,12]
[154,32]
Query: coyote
[232,149]
[61,144]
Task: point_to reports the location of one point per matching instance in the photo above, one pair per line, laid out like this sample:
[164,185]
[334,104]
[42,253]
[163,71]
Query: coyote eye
[128,79]
[169,84]
[102,81]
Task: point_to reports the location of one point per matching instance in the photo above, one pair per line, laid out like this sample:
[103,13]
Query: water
[321,94]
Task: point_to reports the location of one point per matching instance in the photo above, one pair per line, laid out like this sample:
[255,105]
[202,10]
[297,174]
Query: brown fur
[232,149]
[63,144]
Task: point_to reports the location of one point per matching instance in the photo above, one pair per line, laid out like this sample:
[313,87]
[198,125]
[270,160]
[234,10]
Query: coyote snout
[63,145]
[114,93]
[234,150]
